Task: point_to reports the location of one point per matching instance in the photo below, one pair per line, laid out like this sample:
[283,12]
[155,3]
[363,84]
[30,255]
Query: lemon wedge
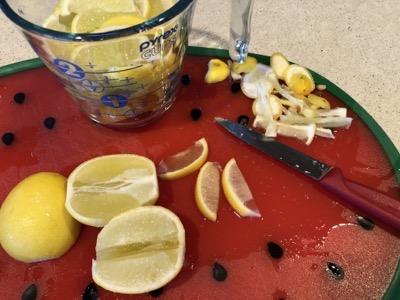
[105,186]
[185,162]
[237,191]
[139,251]
[207,190]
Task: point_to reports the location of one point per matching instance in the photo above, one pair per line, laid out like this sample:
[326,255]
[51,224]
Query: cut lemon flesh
[185,162]
[237,191]
[207,190]
[139,251]
[101,188]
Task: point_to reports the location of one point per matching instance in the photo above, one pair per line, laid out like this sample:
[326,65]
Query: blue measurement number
[69,69]
[114,100]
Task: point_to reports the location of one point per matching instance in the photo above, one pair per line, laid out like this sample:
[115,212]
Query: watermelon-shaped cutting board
[312,227]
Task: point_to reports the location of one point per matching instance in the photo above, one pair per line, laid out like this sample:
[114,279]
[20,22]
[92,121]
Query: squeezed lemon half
[139,251]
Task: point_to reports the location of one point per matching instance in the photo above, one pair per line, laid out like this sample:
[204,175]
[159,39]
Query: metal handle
[241,11]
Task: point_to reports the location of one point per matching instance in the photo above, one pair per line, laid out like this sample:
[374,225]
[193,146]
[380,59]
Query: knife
[372,202]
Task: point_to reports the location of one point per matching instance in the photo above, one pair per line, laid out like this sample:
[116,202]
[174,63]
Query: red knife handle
[374,203]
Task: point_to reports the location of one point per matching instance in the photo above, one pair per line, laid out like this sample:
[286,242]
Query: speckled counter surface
[355,44]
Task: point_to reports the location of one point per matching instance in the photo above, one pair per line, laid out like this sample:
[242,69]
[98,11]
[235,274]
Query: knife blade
[377,205]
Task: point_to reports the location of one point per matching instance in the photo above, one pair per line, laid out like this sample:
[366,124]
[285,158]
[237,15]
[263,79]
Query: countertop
[355,44]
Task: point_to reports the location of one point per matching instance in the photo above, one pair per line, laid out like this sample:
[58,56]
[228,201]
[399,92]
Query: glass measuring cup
[120,78]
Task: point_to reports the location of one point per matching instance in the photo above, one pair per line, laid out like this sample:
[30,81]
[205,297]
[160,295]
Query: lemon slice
[139,251]
[185,162]
[89,20]
[207,190]
[105,186]
[53,22]
[299,79]
[144,7]
[158,7]
[67,7]
[237,191]
[102,54]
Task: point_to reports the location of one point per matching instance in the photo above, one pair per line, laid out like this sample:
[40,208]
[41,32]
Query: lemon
[158,7]
[103,54]
[217,71]
[247,66]
[105,186]
[34,222]
[53,22]
[139,251]
[123,20]
[237,191]
[185,162]
[67,7]
[207,190]
[299,79]
[144,7]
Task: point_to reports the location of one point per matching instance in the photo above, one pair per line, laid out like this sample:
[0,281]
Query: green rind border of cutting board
[393,292]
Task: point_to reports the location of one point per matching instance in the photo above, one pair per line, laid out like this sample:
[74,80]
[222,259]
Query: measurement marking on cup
[114,100]
[92,86]
[69,69]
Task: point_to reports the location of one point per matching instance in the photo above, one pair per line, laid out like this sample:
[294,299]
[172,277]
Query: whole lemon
[34,224]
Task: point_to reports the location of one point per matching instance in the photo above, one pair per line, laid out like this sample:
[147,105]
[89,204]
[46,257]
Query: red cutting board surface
[312,226]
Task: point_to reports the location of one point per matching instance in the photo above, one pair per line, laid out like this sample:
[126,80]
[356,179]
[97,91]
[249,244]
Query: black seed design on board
[335,270]
[219,272]
[365,223]
[186,79]
[195,114]
[49,122]
[274,250]
[90,292]
[243,120]
[30,293]
[157,292]
[235,87]
[19,98]
[8,138]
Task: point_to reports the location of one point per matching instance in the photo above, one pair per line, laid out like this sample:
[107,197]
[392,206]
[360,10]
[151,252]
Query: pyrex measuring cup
[121,78]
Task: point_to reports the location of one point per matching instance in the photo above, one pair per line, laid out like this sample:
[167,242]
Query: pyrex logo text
[146,47]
